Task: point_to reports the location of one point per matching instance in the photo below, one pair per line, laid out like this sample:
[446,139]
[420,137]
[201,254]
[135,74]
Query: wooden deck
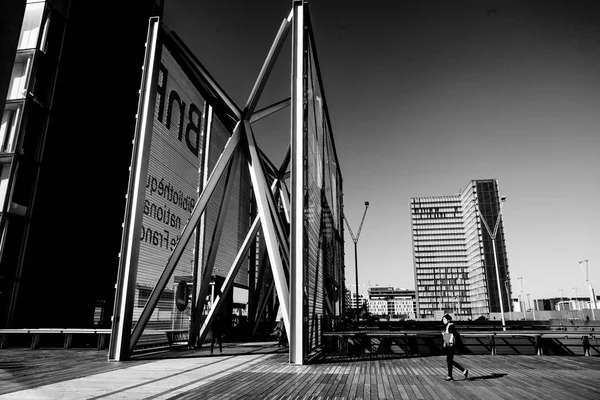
[262,371]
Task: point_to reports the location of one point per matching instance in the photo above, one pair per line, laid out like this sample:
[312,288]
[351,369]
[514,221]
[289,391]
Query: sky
[425,96]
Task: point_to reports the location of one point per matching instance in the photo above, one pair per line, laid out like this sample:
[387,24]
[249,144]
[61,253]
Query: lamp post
[493,238]
[458,304]
[576,300]
[212,292]
[355,240]
[506,283]
[593,304]
[521,298]
[561,298]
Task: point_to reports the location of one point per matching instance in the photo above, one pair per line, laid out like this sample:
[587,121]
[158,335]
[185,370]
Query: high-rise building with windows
[70,73]
[453,253]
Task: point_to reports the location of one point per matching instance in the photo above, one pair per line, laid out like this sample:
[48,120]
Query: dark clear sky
[425,96]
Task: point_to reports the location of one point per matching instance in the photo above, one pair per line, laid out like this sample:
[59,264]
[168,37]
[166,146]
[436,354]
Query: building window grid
[471,243]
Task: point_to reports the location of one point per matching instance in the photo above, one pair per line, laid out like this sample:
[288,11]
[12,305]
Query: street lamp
[521,298]
[506,285]
[212,292]
[493,237]
[593,304]
[457,298]
[355,240]
[561,299]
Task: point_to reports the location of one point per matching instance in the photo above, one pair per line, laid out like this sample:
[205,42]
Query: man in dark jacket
[216,334]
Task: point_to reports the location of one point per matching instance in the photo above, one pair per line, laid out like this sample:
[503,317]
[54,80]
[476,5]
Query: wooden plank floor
[262,371]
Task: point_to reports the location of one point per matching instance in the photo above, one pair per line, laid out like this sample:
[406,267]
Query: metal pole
[493,238]
[593,304]
[561,300]
[499,286]
[509,300]
[522,299]
[212,293]
[355,240]
[356,276]
[297,243]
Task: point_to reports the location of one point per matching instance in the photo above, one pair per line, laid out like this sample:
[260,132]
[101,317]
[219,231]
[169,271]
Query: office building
[390,301]
[453,252]
[356,302]
[70,76]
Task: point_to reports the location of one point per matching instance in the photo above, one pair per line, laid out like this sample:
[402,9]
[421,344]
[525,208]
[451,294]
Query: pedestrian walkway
[262,371]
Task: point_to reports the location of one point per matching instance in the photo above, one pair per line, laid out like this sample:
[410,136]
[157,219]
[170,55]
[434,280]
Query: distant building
[378,307]
[453,252]
[354,303]
[517,305]
[579,303]
[396,303]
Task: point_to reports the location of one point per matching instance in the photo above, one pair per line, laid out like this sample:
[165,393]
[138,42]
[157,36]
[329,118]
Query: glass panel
[4,168]
[31,26]
[20,76]
[9,127]
[44,41]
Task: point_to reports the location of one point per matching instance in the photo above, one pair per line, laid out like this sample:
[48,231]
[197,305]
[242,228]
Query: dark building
[454,254]
[69,99]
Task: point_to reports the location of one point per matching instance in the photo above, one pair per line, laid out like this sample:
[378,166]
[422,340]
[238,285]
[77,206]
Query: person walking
[216,334]
[280,333]
[452,342]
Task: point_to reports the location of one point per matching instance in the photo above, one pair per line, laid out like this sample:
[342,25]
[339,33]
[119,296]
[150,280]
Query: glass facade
[483,279]
[323,218]
[453,255]
[23,127]
[51,84]
[439,256]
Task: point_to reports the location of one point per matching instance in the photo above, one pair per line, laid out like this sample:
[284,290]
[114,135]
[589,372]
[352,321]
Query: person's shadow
[482,377]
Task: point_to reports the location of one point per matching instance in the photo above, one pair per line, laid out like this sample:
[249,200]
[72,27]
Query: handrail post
[538,345]
[586,345]
[492,342]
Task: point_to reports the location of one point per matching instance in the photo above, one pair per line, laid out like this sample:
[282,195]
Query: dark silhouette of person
[452,342]
[280,333]
[216,334]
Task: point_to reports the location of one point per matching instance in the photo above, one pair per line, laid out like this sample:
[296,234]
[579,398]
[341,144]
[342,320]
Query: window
[19,80]
[9,127]
[30,29]
[4,169]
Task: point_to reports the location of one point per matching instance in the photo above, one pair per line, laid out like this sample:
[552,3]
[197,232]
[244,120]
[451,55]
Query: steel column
[214,246]
[261,191]
[132,225]
[297,182]
[228,283]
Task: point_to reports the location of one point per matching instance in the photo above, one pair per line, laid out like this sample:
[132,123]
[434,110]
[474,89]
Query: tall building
[454,263]
[70,74]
